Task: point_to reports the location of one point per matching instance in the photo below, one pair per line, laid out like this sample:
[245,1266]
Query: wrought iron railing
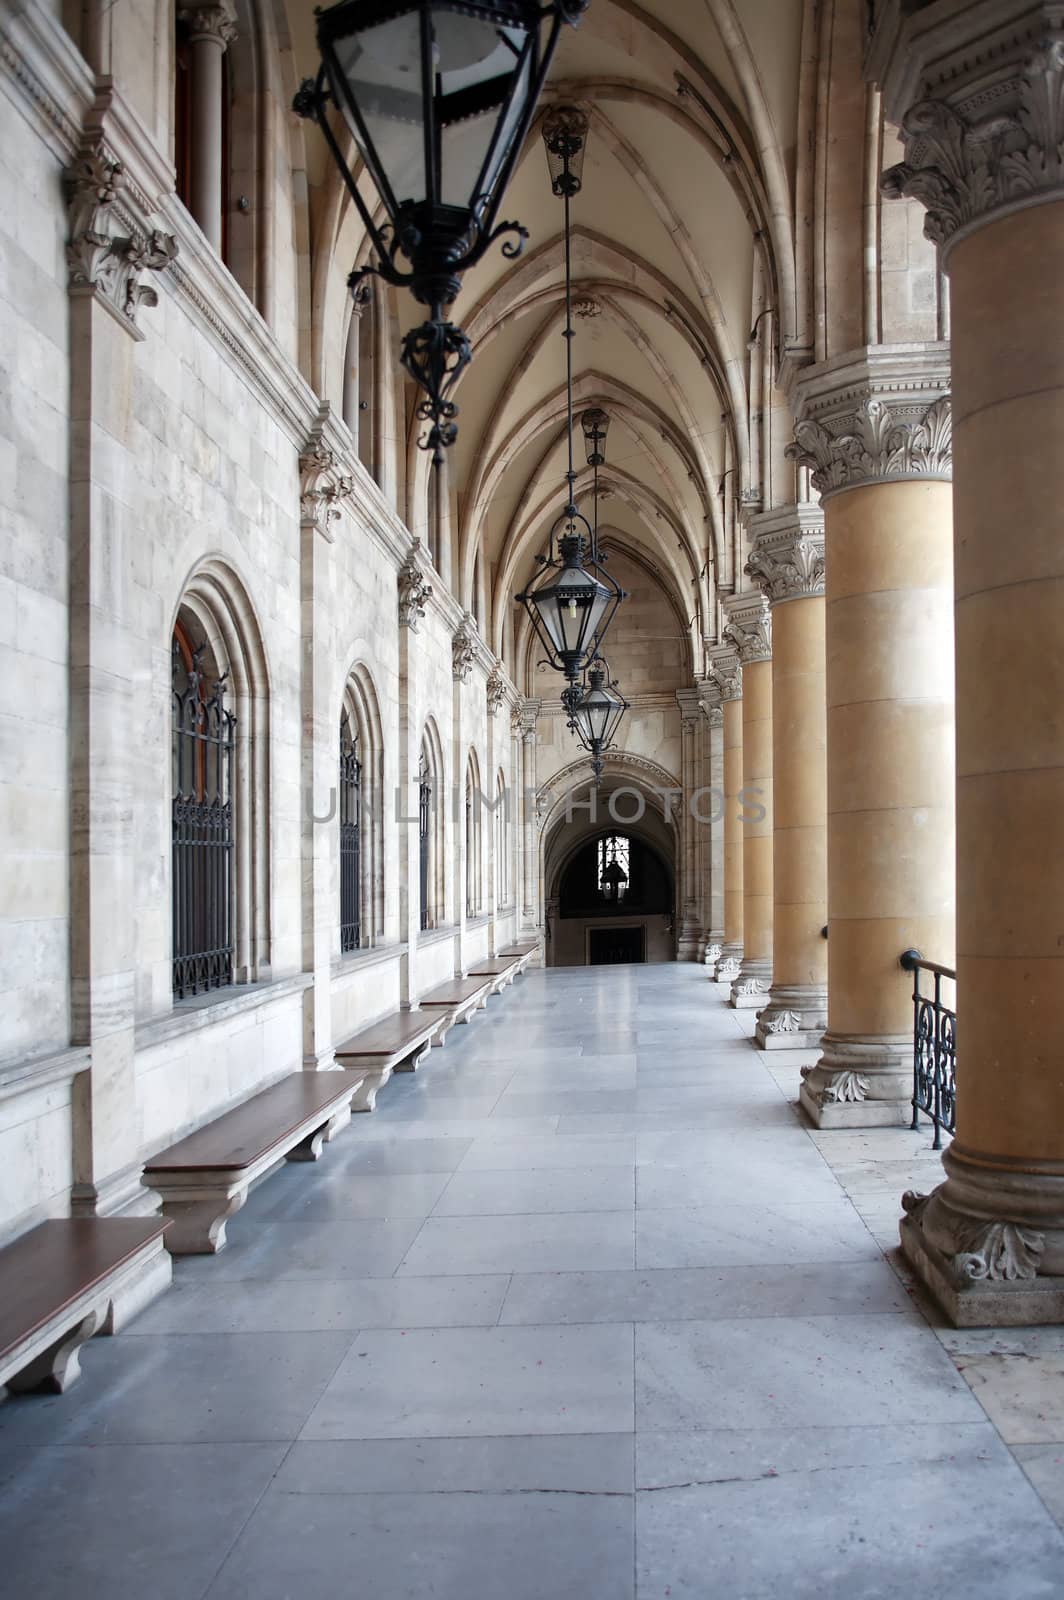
[350,840]
[934,1047]
[204,741]
[424,835]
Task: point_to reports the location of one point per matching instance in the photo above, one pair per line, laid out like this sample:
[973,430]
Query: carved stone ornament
[788,564]
[463,651]
[880,440]
[752,986]
[102,260]
[714,714]
[414,592]
[843,1088]
[995,146]
[784,1022]
[712,955]
[727,675]
[749,628]
[214,22]
[586,306]
[729,968]
[496,693]
[321,487]
[976,1250]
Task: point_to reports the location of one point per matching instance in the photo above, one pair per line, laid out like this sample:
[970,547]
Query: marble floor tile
[408,1155]
[352,1197]
[371,1248]
[1044,1467]
[574,1463]
[1022,1395]
[574,1189]
[520,1155]
[447,1383]
[524,1546]
[555,1242]
[752,1235]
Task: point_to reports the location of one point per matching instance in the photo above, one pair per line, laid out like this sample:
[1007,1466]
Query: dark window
[350,838]
[424,825]
[204,739]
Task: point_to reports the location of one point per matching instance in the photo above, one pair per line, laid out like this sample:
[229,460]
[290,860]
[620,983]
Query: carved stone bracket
[749,627]
[496,693]
[989,138]
[726,673]
[788,555]
[321,487]
[463,651]
[414,592]
[103,261]
[214,22]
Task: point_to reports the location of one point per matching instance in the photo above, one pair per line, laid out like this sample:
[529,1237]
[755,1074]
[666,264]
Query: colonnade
[940,477]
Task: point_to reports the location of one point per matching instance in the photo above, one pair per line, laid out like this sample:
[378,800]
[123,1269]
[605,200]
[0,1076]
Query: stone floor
[582,1310]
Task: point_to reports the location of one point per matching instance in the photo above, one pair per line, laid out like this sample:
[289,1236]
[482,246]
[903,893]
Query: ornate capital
[788,555]
[414,592]
[107,251]
[216,23]
[463,650]
[978,92]
[496,692]
[749,627]
[321,487]
[876,415]
[725,673]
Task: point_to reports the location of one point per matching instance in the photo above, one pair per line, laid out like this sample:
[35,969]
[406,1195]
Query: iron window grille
[204,742]
[350,839]
[424,826]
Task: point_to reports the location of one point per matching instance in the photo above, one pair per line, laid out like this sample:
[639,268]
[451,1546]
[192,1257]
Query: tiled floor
[582,1310]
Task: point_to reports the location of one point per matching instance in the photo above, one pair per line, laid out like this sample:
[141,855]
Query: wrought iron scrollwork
[934,1048]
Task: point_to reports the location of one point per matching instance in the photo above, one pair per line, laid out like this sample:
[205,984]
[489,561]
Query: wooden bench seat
[397,1044]
[456,1000]
[526,948]
[66,1280]
[204,1179]
[501,971]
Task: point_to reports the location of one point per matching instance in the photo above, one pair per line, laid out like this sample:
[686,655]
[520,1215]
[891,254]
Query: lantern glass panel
[379,71]
[491,72]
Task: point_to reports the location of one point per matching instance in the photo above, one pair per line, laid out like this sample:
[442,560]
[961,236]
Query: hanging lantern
[596,714]
[595,424]
[438,96]
[614,880]
[571,605]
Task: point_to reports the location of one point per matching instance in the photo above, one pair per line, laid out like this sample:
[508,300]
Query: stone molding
[414,591]
[978,92]
[321,487]
[748,627]
[215,23]
[788,555]
[464,650]
[877,415]
[725,672]
[107,252]
[690,704]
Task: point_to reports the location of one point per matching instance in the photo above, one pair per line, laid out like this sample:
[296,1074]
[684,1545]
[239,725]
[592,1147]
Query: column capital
[414,592]
[110,243]
[464,649]
[709,701]
[749,626]
[787,559]
[690,707]
[977,88]
[321,486]
[875,415]
[495,692]
[215,24]
[725,672]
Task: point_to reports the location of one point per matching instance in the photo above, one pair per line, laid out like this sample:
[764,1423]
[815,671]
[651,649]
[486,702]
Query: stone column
[749,629]
[414,595]
[322,488]
[727,677]
[211,29]
[106,257]
[979,94]
[529,864]
[875,429]
[712,806]
[788,561]
[463,654]
[689,922]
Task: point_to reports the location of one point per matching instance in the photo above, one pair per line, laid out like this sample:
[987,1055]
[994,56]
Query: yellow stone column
[712,807]
[874,427]
[788,561]
[985,157]
[749,629]
[726,676]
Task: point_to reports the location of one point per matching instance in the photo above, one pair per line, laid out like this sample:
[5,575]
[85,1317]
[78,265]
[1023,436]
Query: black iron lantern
[596,425]
[596,715]
[438,96]
[614,880]
[573,604]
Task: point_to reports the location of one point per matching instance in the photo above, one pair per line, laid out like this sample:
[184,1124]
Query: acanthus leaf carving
[964,168]
[414,591]
[784,1022]
[788,568]
[321,487]
[843,1088]
[749,631]
[726,673]
[729,968]
[495,691]
[463,651]
[878,440]
[977,1249]
[102,260]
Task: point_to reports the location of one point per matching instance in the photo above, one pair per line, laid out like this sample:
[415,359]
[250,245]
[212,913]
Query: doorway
[609,947]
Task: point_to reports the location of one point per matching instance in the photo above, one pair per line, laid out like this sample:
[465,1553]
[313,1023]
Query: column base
[794,1018]
[689,942]
[860,1083]
[750,989]
[989,1242]
[711,952]
[729,964]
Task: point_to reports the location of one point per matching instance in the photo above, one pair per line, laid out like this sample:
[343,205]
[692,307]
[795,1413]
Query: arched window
[350,837]
[502,844]
[202,832]
[473,837]
[220,759]
[359,404]
[432,827]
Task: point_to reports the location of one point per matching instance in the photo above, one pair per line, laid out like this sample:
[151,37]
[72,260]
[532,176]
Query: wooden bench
[204,1180]
[456,1002]
[398,1044]
[66,1280]
[505,967]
